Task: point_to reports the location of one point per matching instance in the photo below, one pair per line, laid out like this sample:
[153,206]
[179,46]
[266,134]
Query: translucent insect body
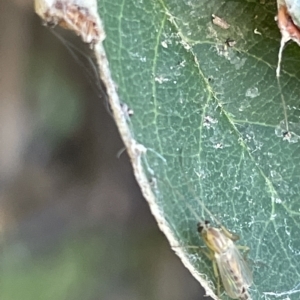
[227,261]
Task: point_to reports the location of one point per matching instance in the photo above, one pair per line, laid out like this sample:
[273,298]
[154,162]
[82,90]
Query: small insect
[227,260]
[77,17]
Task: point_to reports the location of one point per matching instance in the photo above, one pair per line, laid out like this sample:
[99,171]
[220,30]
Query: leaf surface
[213,119]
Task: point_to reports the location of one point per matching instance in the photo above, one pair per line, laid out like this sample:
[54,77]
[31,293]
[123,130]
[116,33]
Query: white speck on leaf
[161,79]
[252,92]
[185,45]
[209,121]
[164,44]
[218,146]
[257,32]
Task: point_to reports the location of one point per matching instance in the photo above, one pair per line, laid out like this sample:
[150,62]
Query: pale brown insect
[73,16]
[228,262]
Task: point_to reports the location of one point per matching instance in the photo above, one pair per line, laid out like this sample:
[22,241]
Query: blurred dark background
[73,222]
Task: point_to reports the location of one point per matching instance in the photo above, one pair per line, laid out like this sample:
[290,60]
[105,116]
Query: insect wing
[234,271]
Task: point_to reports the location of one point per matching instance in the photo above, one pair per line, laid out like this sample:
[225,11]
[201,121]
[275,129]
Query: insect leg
[216,273]
[245,250]
[208,254]
[234,237]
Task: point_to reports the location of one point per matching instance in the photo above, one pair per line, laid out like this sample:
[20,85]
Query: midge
[228,262]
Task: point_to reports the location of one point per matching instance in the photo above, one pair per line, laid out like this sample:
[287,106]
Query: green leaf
[212,118]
